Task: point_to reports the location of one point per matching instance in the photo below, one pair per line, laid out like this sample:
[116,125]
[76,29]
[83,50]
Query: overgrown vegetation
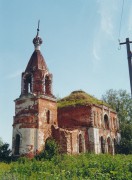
[84,166]
[79,98]
[5,152]
[51,150]
[50,165]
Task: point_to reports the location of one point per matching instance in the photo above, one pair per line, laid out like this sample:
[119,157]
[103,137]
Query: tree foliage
[121,101]
[125,146]
[5,152]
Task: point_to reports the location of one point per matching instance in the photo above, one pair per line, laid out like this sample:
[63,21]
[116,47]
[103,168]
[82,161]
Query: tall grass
[66,167]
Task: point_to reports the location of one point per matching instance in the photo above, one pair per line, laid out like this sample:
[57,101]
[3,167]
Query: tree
[5,152]
[126,140]
[121,102]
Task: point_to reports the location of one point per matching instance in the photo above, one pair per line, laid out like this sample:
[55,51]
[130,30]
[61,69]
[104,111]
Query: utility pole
[129,57]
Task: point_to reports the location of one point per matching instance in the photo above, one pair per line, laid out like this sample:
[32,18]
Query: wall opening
[48,116]
[102,145]
[28,84]
[80,144]
[106,122]
[17,144]
[109,145]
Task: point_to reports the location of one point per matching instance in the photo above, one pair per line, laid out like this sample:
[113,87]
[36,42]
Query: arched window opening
[28,84]
[106,122]
[80,144]
[48,116]
[17,144]
[109,145]
[102,145]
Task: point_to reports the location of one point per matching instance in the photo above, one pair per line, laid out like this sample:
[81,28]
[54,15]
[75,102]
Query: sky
[80,47]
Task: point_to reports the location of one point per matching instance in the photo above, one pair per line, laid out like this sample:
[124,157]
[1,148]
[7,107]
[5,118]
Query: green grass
[79,98]
[66,167]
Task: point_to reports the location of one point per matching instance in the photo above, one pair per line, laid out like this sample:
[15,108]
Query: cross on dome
[37,41]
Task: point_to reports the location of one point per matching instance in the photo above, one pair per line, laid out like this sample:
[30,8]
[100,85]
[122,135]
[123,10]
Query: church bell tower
[35,109]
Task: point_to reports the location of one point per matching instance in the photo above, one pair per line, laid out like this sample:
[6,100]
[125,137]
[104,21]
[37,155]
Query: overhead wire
[120,25]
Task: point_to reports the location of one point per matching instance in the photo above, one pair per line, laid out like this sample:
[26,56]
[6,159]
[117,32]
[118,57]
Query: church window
[102,145]
[106,122]
[109,145]
[48,116]
[17,144]
[80,143]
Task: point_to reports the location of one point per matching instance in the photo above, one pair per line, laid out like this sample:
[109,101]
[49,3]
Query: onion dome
[37,41]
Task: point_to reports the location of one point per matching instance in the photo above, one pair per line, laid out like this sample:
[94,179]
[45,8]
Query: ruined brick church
[79,122]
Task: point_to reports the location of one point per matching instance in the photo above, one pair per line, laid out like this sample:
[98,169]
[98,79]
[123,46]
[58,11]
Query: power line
[121,20]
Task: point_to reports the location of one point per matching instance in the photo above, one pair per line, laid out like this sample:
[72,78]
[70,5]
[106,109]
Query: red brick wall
[74,116]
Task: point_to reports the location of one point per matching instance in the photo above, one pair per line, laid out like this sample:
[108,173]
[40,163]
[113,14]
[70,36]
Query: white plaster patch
[24,105]
[31,139]
[94,139]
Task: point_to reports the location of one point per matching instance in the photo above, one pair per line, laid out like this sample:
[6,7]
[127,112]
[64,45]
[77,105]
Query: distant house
[78,122]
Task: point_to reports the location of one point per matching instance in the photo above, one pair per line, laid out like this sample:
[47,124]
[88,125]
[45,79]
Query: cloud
[95,55]
[107,25]
[107,11]
[105,31]
[14,75]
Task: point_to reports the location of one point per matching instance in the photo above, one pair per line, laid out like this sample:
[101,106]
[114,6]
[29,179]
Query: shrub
[51,149]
